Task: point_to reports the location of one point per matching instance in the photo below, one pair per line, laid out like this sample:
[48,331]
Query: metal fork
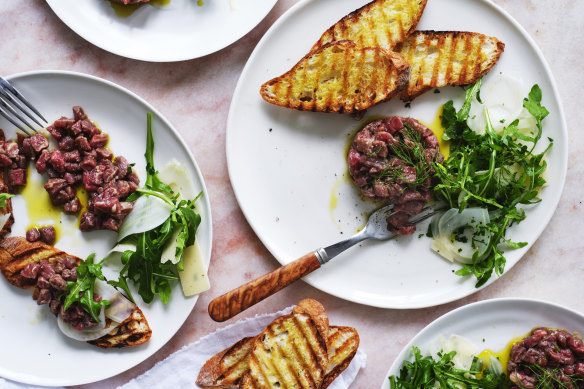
[10,98]
[238,300]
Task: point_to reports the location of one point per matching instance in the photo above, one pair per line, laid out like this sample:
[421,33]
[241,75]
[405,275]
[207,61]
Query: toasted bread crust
[339,77]
[132,332]
[439,58]
[17,252]
[380,23]
[317,312]
[221,372]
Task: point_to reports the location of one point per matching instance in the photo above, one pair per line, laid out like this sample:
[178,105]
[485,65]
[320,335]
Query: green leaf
[533,104]
[81,291]
[470,95]
[3,198]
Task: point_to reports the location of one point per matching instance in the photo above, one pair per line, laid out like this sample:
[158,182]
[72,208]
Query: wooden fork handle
[238,300]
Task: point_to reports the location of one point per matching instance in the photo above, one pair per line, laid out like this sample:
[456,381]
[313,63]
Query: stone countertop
[195,96]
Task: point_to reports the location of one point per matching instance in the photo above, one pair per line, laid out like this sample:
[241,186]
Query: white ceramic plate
[35,351]
[491,324]
[177,31]
[288,167]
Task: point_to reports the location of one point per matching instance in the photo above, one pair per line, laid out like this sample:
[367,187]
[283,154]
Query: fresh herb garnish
[411,152]
[143,266]
[549,378]
[425,373]
[82,290]
[494,171]
[3,198]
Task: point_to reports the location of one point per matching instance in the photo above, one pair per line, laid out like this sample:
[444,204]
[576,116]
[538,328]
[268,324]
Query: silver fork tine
[20,106]
[15,92]
[11,120]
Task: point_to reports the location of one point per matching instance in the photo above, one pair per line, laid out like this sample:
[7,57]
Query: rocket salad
[160,228]
[487,179]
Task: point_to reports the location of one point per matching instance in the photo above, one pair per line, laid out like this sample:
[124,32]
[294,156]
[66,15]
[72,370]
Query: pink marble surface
[195,96]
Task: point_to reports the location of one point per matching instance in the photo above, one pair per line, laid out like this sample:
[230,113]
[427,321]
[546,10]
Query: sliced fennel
[458,236]
[149,212]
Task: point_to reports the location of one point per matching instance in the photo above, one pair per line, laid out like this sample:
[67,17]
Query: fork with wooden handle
[238,300]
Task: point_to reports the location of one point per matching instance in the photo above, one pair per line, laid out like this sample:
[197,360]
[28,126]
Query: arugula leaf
[470,95]
[3,198]
[82,290]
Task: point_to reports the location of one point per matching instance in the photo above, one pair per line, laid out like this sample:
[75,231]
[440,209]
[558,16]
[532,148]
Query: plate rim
[146,58]
[207,205]
[494,301]
[380,303]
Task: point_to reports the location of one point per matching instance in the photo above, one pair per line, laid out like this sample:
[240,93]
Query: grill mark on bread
[283,368]
[310,352]
[265,362]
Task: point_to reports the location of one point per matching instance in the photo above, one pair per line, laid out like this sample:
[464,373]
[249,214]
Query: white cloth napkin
[180,369]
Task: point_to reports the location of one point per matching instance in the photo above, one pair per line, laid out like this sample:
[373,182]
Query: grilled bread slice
[339,77]
[226,369]
[291,352]
[381,23]
[439,58]
[17,252]
[343,343]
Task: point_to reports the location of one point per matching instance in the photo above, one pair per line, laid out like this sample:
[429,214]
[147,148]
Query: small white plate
[288,168]
[35,351]
[178,31]
[491,324]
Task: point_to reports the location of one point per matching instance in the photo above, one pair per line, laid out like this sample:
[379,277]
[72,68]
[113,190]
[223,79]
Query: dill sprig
[550,378]
[410,150]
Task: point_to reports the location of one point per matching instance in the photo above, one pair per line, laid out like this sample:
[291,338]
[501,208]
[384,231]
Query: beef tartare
[547,358]
[390,160]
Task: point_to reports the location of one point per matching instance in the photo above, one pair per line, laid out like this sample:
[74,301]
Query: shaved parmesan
[193,277]
[175,175]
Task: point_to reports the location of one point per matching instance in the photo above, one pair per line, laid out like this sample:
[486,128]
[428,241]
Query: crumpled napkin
[180,369]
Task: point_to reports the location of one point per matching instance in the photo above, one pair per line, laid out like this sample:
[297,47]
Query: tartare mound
[390,160]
